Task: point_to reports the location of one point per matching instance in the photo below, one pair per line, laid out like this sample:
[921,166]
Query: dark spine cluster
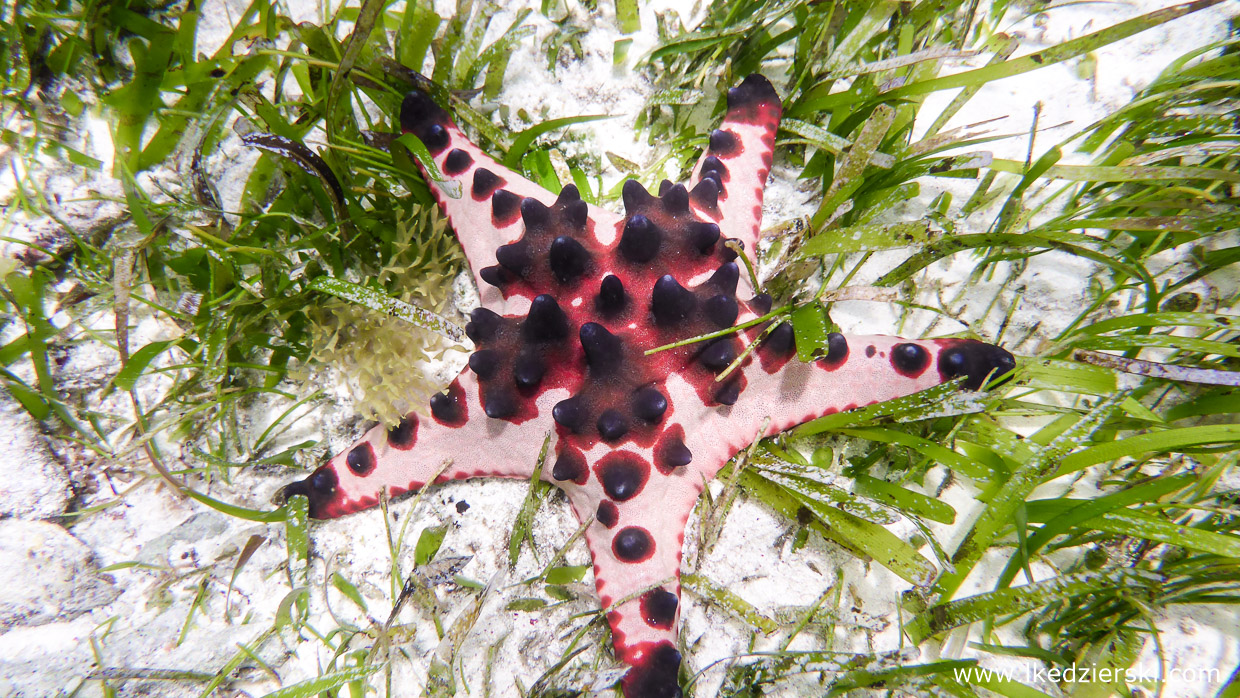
[514,355]
[550,253]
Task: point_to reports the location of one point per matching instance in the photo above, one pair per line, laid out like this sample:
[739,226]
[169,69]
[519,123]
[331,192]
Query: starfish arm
[728,181]
[489,210]
[636,542]
[406,457]
[781,391]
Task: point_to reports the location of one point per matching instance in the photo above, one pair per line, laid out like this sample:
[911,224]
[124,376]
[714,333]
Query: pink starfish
[577,296]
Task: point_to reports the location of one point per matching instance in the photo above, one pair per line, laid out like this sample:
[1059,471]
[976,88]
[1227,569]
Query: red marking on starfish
[572,296]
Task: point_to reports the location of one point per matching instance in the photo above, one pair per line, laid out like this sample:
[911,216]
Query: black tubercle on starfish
[974,360]
[632,544]
[655,674]
[659,608]
[319,488]
[404,435]
[449,408]
[421,116]
[361,459]
[623,474]
[457,162]
[909,359]
[485,184]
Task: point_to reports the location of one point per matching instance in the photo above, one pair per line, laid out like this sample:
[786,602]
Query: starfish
[572,296]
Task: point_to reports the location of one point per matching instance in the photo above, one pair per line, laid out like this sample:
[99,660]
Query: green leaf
[311,688]
[139,360]
[566,574]
[349,591]
[1153,442]
[1019,600]
[905,500]
[960,463]
[810,328]
[428,544]
[870,236]
[521,142]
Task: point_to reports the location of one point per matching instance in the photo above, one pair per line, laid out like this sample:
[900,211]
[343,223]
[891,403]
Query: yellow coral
[385,358]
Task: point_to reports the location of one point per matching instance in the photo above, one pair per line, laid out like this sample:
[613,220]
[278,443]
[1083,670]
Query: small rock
[46,575]
[33,485]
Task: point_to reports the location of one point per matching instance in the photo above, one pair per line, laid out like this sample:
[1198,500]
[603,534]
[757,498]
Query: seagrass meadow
[221,263]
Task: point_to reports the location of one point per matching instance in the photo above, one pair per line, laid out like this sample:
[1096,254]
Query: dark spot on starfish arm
[485,184]
[607,514]
[664,185]
[656,674]
[722,310]
[659,608]
[576,214]
[639,241]
[568,258]
[570,464]
[671,452]
[675,199]
[719,354]
[612,425]
[632,544]
[516,257]
[761,303]
[910,360]
[706,194]
[635,196]
[870,351]
[496,276]
[482,325]
[546,321]
[611,298]
[714,164]
[319,488]
[703,235]
[534,214]
[404,435]
[623,474]
[974,360]
[528,370]
[670,302]
[499,402]
[449,408]
[568,195]
[837,352]
[724,143]
[504,207]
[485,363]
[649,404]
[726,277]
[730,391]
[571,413]
[361,459]
[604,351]
[457,162]
[778,347]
